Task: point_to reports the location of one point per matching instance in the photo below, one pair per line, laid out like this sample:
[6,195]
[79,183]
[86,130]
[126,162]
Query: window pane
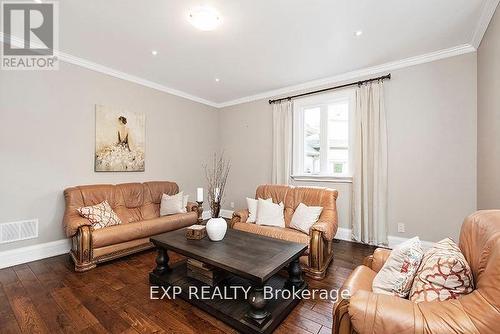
[338,161]
[338,138]
[338,125]
[311,140]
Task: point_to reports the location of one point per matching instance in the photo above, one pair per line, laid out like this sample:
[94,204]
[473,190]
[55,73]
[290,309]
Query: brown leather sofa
[477,312]
[138,207]
[320,251]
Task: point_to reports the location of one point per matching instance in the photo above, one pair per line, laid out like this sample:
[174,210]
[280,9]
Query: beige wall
[47,144]
[47,140]
[432,148]
[488,139]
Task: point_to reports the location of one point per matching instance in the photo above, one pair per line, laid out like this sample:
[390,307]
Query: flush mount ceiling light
[359,33]
[204,18]
[154,52]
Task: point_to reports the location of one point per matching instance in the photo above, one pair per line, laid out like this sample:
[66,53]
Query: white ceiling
[262,45]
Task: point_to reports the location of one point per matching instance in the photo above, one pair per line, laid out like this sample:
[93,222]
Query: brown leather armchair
[138,207]
[477,312]
[320,239]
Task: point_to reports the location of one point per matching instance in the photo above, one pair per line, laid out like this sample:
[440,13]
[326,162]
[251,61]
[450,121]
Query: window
[322,135]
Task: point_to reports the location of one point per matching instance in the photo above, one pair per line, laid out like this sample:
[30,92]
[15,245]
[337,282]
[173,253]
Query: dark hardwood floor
[47,296]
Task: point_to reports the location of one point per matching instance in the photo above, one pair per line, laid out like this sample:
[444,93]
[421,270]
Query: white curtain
[369,205]
[282,141]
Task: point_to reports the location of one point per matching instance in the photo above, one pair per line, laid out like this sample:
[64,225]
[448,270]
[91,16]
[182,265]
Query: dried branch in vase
[216,175]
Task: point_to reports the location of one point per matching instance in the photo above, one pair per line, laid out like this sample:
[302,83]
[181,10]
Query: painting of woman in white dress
[120,140]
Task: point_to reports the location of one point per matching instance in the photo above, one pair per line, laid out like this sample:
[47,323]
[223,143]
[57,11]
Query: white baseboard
[343,234]
[346,234]
[226,213]
[26,254]
[394,241]
[37,252]
[223,213]
[21,255]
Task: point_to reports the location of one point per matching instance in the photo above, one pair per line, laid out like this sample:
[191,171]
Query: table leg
[295,279]
[258,313]
[161,262]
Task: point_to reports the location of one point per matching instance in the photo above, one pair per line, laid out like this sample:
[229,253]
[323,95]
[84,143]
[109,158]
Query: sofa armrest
[378,313]
[73,223]
[191,206]
[239,216]
[379,257]
[327,229]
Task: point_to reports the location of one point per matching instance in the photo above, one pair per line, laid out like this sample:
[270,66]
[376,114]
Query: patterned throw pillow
[396,276]
[444,274]
[100,215]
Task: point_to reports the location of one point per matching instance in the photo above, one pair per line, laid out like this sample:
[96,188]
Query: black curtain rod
[358,83]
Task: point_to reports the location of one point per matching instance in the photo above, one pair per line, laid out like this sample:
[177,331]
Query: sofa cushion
[146,228]
[282,233]
[122,247]
[153,191]
[311,196]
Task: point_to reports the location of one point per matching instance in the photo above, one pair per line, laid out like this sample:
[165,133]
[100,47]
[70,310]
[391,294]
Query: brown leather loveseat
[478,312]
[138,207]
[320,251]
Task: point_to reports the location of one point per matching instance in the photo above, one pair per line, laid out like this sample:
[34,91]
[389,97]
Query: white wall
[488,161]
[47,135]
[432,148]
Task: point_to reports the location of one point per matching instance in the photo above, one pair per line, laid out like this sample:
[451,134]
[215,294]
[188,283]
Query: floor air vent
[16,231]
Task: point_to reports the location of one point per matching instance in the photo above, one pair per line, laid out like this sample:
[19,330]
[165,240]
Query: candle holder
[200,211]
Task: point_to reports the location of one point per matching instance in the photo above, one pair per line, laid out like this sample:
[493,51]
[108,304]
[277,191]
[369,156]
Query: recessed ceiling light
[154,52]
[204,18]
[217,79]
[38,1]
[359,33]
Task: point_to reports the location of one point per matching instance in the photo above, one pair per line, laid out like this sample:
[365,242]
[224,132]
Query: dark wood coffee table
[252,261]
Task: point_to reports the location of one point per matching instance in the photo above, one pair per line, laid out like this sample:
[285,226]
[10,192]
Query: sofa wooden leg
[81,266]
[81,251]
[320,256]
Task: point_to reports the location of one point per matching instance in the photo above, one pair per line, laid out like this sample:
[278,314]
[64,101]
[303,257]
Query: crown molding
[412,61]
[407,62]
[487,13]
[71,59]
[132,78]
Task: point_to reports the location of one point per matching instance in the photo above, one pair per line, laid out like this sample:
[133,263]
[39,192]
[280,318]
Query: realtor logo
[30,35]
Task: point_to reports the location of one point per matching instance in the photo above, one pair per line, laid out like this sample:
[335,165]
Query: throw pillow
[100,215]
[252,209]
[305,216]
[173,204]
[444,274]
[397,274]
[270,214]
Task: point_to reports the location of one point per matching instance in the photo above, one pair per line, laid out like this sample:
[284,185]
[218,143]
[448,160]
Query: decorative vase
[216,228]
[215,208]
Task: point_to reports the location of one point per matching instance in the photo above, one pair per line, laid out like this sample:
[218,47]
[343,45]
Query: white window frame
[322,101]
